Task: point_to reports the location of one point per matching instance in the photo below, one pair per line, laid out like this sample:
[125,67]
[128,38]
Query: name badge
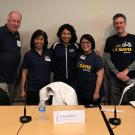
[47,58]
[82,57]
[18,43]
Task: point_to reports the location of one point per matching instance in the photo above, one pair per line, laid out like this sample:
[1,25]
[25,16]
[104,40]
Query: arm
[24,74]
[100,75]
[125,72]
[120,75]
[131,66]
[108,62]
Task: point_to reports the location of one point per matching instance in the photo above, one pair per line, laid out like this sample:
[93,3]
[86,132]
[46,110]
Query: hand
[96,96]
[123,75]
[23,94]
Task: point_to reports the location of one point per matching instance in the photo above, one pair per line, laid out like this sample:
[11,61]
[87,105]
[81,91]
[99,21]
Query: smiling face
[120,25]
[86,46]
[39,42]
[14,21]
[66,36]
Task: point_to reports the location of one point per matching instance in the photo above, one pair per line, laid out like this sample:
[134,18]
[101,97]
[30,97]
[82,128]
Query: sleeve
[108,46]
[52,58]
[0,40]
[131,66]
[109,64]
[107,56]
[98,63]
[25,63]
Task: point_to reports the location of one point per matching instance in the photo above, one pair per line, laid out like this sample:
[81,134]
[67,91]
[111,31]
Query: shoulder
[76,45]
[28,53]
[97,60]
[94,55]
[73,46]
[56,44]
[111,37]
[3,29]
[110,42]
[131,36]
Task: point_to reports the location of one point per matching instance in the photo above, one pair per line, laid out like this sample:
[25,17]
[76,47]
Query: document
[70,116]
[132,103]
[110,110]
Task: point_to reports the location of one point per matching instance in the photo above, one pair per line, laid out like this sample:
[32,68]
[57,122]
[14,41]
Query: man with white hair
[10,55]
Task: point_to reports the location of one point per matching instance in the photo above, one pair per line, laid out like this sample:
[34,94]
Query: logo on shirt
[85,67]
[71,50]
[125,47]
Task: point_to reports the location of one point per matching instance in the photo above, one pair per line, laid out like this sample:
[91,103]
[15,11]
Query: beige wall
[87,16]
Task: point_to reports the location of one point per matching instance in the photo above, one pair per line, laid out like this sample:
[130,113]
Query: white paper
[132,103]
[71,116]
[111,110]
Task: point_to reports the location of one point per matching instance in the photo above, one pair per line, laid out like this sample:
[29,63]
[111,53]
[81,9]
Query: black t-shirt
[122,51]
[9,54]
[87,67]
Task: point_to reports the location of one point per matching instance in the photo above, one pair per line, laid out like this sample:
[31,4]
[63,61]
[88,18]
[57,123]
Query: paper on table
[71,116]
[110,110]
[132,103]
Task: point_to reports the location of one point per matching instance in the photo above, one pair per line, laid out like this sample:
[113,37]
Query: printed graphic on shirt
[71,50]
[125,47]
[84,67]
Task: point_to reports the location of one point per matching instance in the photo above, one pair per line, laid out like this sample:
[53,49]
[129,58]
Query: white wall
[87,16]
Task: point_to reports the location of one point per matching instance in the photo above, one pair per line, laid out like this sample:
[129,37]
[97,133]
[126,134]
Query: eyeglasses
[85,42]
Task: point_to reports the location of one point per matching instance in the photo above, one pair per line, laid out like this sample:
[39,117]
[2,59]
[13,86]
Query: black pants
[4,98]
[32,97]
[116,88]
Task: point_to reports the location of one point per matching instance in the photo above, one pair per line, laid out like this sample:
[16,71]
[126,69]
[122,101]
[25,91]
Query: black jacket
[64,61]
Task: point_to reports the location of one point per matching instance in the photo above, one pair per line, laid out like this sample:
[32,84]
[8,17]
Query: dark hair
[69,28]
[89,38]
[36,34]
[119,15]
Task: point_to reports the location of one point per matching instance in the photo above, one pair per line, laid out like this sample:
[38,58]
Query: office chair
[129,90]
[61,94]
[4,99]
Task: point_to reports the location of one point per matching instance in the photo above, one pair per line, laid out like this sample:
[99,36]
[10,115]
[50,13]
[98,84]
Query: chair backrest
[4,99]
[125,90]
[63,94]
